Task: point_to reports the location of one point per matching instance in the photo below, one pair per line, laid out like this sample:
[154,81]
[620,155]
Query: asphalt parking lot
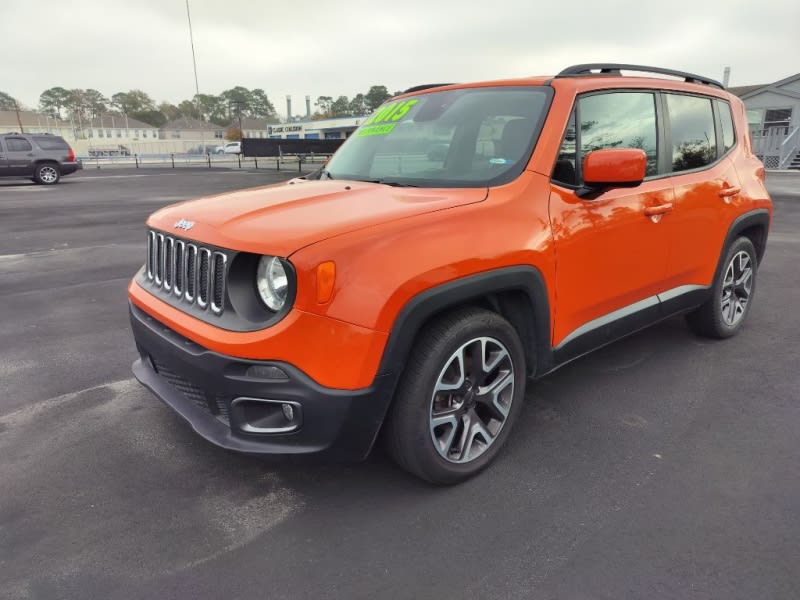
[663,466]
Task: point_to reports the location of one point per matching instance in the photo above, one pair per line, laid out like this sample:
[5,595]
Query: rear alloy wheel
[737,287]
[460,393]
[46,174]
[724,312]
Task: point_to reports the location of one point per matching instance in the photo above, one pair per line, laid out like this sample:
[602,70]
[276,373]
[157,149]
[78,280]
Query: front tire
[46,174]
[459,396]
[724,313]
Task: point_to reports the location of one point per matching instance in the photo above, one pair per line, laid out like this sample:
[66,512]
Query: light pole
[196,84]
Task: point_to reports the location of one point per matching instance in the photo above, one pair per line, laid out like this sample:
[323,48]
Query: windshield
[474,137]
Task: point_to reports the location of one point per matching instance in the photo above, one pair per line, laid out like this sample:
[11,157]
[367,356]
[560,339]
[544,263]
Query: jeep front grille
[189,271]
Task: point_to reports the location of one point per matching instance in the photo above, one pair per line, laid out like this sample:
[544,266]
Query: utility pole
[196,84]
[19,120]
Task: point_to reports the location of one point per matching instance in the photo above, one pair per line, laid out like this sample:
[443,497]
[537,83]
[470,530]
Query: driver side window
[608,120]
[566,169]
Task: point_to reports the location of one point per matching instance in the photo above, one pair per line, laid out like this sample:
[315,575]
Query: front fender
[525,279]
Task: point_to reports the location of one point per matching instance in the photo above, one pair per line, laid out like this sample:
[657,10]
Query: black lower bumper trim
[195,380]
[68,168]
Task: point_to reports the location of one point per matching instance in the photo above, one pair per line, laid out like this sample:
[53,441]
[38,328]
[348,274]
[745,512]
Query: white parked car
[232,148]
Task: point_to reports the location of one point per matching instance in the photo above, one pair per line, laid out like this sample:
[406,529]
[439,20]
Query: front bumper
[203,386]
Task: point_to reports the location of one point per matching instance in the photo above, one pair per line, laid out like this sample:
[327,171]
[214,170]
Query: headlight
[272,282]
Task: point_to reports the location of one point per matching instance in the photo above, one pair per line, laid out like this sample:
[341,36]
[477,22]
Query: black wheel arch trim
[46,161]
[759,217]
[473,288]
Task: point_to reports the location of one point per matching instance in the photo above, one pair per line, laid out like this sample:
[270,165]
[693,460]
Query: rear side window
[691,123]
[47,142]
[726,120]
[18,145]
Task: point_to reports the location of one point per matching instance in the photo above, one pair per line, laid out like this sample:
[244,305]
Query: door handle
[660,209]
[729,191]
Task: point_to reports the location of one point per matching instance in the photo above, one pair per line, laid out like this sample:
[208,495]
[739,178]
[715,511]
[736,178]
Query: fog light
[261,415]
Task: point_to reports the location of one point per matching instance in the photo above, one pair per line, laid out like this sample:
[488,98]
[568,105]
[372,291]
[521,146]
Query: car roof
[597,76]
[44,134]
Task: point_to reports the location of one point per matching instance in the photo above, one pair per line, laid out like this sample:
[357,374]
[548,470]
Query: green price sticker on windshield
[385,120]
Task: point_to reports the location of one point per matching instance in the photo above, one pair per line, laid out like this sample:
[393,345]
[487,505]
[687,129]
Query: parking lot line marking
[61,250]
[93,177]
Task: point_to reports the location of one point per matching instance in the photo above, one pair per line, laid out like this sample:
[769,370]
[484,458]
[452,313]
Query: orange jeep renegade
[464,240]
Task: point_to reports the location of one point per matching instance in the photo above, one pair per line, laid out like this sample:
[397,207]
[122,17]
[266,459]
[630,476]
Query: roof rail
[425,86]
[617,68]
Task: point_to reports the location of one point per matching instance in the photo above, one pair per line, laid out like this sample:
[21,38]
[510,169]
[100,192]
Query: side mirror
[612,167]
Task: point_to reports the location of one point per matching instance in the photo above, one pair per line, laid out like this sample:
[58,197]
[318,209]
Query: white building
[773,115]
[107,135]
[28,121]
[188,129]
[325,129]
[115,134]
[252,127]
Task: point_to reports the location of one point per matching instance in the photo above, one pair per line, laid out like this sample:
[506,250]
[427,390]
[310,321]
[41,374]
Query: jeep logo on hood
[184,224]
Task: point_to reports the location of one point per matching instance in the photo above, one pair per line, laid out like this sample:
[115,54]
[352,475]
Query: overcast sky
[342,47]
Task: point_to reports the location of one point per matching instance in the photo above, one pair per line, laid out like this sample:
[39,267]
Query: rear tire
[458,398]
[47,174]
[724,313]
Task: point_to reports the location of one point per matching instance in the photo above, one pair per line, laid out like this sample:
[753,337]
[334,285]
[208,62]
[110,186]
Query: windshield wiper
[390,183]
[325,174]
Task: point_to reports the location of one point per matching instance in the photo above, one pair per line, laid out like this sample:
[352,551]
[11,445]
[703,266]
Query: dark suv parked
[41,157]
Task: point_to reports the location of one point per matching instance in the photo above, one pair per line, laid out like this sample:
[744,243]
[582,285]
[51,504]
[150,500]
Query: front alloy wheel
[472,399]
[458,398]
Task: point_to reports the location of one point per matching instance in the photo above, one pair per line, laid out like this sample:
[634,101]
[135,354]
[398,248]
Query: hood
[281,219]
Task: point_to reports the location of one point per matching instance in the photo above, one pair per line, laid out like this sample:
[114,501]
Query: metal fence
[181,160]
[282,147]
